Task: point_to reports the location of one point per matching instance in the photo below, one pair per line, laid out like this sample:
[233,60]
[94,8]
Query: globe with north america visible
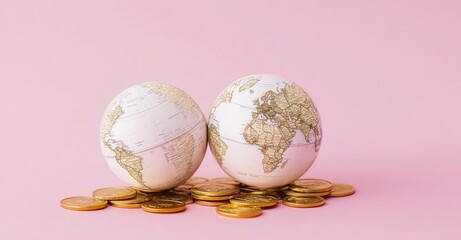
[264,131]
[153,136]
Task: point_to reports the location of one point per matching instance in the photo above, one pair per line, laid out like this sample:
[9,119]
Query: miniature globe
[153,136]
[264,131]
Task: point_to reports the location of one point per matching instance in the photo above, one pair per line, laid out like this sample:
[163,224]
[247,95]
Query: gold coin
[258,192]
[163,206]
[239,211]
[211,198]
[196,180]
[184,187]
[278,195]
[113,193]
[225,180]
[131,203]
[300,202]
[258,200]
[230,182]
[306,194]
[215,189]
[210,203]
[183,193]
[342,190]
[311,185]
[83,203]
[174,197]
[273,189]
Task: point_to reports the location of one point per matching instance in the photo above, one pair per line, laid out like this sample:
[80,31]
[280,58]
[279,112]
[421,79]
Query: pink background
[385,75]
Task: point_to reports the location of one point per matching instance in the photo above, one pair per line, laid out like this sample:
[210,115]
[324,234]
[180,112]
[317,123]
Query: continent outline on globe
[183,150]
[278,114]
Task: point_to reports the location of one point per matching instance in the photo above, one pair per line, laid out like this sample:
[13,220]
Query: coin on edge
[82,203]
[215,189]
[301,202]
[113,193]
[341,190]
[163,206]
[258,200]
[239,211]
[311,185]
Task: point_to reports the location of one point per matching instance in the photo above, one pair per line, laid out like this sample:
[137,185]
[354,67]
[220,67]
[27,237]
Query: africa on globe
[264,131]
[153,136]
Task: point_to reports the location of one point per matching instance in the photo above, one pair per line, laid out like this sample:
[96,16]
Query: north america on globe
[153,136]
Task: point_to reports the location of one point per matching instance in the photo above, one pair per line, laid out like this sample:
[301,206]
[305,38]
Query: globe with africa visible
[264,131]
[153,136]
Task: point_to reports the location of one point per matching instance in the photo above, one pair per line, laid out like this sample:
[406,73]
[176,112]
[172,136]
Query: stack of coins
[276,192]
[305,193]
[121,197]
[231,198]
[213,194]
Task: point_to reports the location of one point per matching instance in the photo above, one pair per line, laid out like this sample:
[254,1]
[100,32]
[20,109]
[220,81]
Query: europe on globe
[264,131]
[153,136]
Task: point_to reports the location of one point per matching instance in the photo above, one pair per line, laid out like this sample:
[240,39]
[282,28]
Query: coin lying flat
[174,197]
[210,203]
[225,180]
[113,193]
[83,203]
[131,203]
[258,200]
[311,185]
[163,206]
[273,189]
[196,180]
[211,198]
[239,211]
[307,202]
[306,194]
[342,190]
[215,189]
[183,189]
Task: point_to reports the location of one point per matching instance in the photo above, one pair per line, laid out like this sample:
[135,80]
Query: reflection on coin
[83,203]
[306,194]
[211,198]
[307,202]
[196,180]
[163,206]
[210,203]
[131,203]
[174,197]
[342,190]
[239,211]
[258,200]
[215,189]
[311,185]
[113,193]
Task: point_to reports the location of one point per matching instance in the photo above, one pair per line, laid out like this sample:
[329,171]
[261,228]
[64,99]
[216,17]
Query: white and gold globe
[153,136]
[264,131]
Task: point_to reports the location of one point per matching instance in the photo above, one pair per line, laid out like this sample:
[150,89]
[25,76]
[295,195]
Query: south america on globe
[153,136]
[264,131]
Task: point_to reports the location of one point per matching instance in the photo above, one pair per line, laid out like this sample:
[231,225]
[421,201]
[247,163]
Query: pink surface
[385,75]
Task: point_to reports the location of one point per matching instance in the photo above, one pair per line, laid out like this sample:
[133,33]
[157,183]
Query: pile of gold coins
[231,198]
